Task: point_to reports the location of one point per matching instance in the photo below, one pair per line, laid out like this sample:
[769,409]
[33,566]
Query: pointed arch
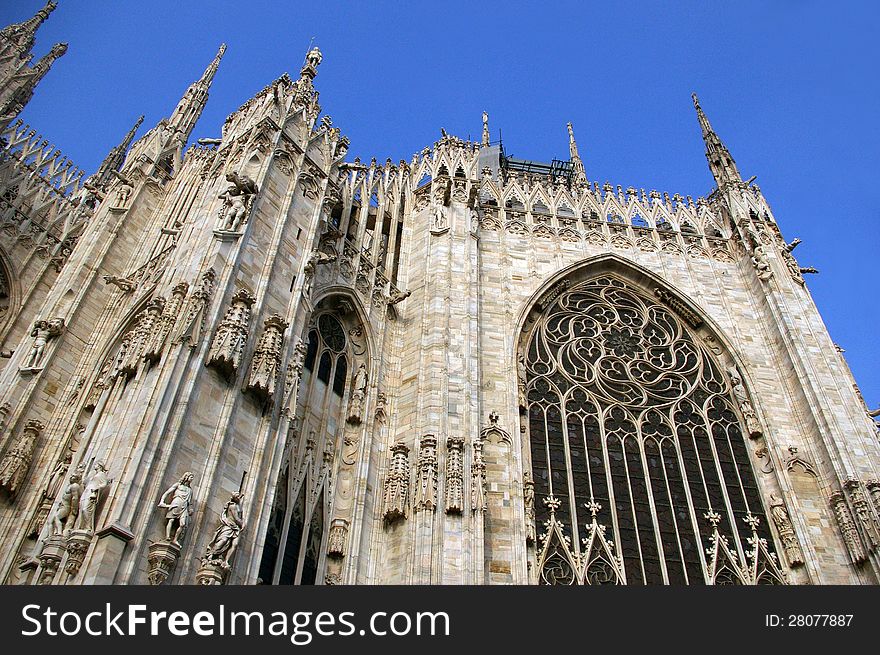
[626,406]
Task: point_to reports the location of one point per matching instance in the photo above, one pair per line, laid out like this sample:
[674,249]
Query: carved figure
[236,200]
[225,539]
[68,507]
[178,503]
[91,495]
[42,332]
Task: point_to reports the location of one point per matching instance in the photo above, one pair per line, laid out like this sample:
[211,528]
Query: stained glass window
[632,427]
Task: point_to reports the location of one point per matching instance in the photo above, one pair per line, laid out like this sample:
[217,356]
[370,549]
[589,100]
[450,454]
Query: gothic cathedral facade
[250,361]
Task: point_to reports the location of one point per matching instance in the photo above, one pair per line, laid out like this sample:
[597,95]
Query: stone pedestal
[162,556]
[77,544]
[50,558]
[212,572]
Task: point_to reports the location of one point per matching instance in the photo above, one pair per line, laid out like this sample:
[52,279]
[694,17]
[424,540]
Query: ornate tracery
[298,526]
[641,473]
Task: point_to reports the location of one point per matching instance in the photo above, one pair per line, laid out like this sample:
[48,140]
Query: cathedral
[246,360]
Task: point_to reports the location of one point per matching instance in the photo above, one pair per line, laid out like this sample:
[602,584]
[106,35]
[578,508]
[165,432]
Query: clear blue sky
[791,87]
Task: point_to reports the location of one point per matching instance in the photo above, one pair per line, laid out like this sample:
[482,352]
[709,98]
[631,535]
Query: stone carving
[229,341]
[478,479]
[237,201]
[294,375]
[425,496]
[50,558]
[266,364]
[358,394]
[16,462]
[42,332]
[396,490]
[454,475]
[745,405]
[216,563]
[398,296]
[521,380]
[317,258]
[123,193]
[162,328]
[529,503]
[193,323]
[78,543]
[162,559]
[847,529]
[68,507]
[794,269]
[780,516]
[50,492]
[867,523]
[873,487]
[177,501]
[149,319]
[123,284]
[760,259]
[93,487]
[337,538]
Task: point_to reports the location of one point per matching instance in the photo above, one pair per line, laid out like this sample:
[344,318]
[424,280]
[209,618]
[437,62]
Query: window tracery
[634,435]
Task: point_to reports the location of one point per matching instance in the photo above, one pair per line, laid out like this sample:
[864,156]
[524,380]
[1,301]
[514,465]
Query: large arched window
[637,451]
[293,549]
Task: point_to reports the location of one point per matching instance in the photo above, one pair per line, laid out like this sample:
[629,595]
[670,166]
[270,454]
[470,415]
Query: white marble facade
[335,347]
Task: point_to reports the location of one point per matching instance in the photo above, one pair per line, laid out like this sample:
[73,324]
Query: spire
[21,35]
[580,176]
[115,158]
[721,162]
[21,87]
[485,140]
[211,70]
[190,107]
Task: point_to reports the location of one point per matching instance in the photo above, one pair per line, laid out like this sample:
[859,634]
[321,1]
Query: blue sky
[790,86]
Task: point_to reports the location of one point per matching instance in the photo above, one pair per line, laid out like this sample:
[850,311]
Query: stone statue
[236,200]
[223,544]
[68,507]
[745,405]
[178,503]
[358,393]
[42,332]
[91,495]
[761,263]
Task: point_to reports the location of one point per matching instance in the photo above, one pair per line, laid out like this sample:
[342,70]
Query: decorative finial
[580,175]
[552,503]
[713,517]
[485,139]
[593,507]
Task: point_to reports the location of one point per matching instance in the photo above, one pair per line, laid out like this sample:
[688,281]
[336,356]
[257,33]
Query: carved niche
[16,462]
[396,488]
[454,475]
[266,364]
[156,340]
[229,341]
[425,496]
[141,334]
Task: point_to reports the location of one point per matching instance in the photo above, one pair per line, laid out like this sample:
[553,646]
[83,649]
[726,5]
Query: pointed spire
[115,158]
[21,35]
[485,140]
[721,162]
[190,107]
[211,70]
[580,175]
[21,87]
